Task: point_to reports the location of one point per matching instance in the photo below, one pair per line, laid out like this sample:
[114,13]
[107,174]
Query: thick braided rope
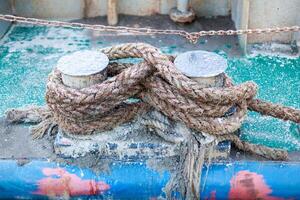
[181,107]
[160,85]
[270,153]
[202,122]
[79,106]
[274,110]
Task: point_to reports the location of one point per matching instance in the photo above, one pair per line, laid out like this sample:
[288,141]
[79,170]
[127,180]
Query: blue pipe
[134,180]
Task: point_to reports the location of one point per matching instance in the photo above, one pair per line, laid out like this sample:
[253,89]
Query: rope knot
[159,85]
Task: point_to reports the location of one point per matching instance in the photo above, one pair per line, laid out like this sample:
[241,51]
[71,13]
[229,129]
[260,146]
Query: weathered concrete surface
[76,9]
[50,9]
[265,13]
[211,8]
[254,14]
[296,36]
[133,7]
[5,8]
[208,43]
[17,143]
[134,140]
[245,13]
[203,8]
[240,16]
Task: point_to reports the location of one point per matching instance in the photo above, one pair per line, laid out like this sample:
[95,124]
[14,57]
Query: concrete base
[128,141]
[17,143]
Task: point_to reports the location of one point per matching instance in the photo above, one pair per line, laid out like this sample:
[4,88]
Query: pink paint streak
[250,186]
[67,184]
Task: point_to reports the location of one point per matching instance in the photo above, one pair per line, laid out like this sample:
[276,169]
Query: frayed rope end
[33,114]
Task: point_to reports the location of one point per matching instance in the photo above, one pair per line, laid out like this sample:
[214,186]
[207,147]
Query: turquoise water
[27,55]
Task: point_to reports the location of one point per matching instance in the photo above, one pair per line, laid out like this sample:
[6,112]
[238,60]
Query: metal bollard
[205,67]
[183,5]
[83,68]
[182,13]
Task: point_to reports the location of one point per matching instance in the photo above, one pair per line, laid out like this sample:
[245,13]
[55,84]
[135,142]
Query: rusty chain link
[193,37]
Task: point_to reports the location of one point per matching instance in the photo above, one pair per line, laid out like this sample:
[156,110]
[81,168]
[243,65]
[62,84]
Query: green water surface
[28,54]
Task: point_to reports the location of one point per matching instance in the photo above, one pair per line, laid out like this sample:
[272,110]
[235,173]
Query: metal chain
[193,37]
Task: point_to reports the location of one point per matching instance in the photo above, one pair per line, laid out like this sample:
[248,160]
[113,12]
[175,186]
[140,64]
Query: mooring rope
[160,85]
[193,37]
[174,98]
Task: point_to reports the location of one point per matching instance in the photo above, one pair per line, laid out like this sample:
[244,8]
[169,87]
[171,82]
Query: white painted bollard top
[83,68]
[205,67]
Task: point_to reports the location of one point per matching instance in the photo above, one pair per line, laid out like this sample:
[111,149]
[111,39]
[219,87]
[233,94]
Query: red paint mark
[250,186]
[66,184]
[213,195]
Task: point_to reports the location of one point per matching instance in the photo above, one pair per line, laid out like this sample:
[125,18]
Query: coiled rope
[160,85]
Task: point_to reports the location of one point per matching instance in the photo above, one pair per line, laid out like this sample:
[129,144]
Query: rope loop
[159,85]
